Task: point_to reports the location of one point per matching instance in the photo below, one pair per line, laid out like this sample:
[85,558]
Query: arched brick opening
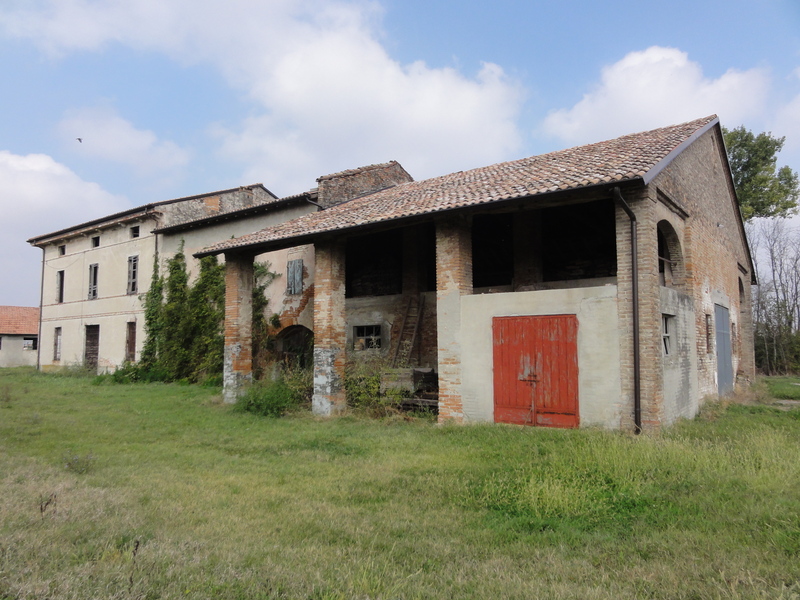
[671,269]
[295,345]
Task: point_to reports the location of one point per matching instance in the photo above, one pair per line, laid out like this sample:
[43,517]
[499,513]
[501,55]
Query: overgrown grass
[787,388]
[186,498]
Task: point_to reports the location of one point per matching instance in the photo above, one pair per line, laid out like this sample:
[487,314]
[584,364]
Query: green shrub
[269,398]
[362,384]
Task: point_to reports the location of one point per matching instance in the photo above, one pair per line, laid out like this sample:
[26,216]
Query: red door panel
[536,370]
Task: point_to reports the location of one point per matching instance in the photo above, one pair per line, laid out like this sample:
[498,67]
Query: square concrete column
[453,280]
[330,335]
[238,361]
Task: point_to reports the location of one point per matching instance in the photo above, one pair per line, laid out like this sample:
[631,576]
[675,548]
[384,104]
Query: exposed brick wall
[714,251]
[238,359]
[347,185]
[642,204]
[207,206]
[329,328]
[453,280]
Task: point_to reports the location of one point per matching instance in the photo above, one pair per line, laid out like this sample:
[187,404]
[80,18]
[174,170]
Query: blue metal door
[722,323]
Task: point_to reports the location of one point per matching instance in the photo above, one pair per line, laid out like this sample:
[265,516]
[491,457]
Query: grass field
[159,491]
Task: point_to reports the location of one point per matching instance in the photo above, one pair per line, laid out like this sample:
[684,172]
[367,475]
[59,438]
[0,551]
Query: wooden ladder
[409,330]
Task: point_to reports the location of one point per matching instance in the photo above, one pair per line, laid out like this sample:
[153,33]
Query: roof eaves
[127,215]
[665,162]
[309,237]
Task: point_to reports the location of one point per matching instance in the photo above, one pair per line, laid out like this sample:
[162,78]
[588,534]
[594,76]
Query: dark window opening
[29,343]
[59,287]
[294,276]
[666,333]
[96,241]
[62,250]
[664,261]
[374,265]
[579,241]
[366,337]
[426,257]
[135,231]
[492,250]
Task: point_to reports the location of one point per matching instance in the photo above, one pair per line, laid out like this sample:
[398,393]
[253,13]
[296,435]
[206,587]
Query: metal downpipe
[637,371]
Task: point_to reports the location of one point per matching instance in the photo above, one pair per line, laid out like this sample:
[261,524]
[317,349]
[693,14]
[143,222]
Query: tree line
[768,197]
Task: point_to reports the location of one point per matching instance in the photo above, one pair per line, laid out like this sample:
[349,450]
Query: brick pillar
[238,362]
[329,329]
[453,280]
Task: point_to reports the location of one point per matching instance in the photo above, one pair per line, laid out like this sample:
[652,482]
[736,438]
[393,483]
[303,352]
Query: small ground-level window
[29,343]
[667,327]
[366,337]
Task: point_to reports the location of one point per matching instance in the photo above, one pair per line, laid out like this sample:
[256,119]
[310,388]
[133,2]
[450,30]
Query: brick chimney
[354,183]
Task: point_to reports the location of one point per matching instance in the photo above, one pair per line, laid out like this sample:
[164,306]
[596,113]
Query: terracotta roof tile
[625,158]
[19,320]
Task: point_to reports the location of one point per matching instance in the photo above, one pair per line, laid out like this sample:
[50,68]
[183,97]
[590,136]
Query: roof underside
[632,157]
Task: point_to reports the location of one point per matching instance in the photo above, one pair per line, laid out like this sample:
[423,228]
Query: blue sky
[181,97]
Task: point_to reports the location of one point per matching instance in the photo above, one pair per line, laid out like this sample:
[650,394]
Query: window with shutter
[93,272]
[294,276]
[133,274]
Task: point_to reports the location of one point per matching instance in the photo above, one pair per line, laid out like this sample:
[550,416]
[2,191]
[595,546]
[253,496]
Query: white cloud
[656,87]
[787,123]
[40,195]
[105,135]
[329,95]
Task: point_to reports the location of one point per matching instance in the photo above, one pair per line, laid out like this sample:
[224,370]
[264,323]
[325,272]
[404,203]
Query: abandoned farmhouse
[607,284]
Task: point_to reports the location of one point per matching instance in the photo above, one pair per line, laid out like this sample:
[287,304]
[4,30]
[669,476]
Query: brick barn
[607,284]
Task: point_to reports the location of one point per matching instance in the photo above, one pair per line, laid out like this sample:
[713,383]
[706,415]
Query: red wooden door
[536,370]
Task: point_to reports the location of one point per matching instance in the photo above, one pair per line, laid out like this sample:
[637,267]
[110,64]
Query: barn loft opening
[374,264]
[579,241]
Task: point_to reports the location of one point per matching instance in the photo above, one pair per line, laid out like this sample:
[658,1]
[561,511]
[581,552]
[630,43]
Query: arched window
[670,257]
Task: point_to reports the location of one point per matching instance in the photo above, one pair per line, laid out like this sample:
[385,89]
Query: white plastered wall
[598,348]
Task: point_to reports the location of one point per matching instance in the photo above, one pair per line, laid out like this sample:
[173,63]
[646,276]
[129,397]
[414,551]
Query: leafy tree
[762,189]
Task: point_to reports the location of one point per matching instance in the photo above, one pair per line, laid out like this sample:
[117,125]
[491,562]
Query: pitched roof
[638,156]
[134,214]
[19,320]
